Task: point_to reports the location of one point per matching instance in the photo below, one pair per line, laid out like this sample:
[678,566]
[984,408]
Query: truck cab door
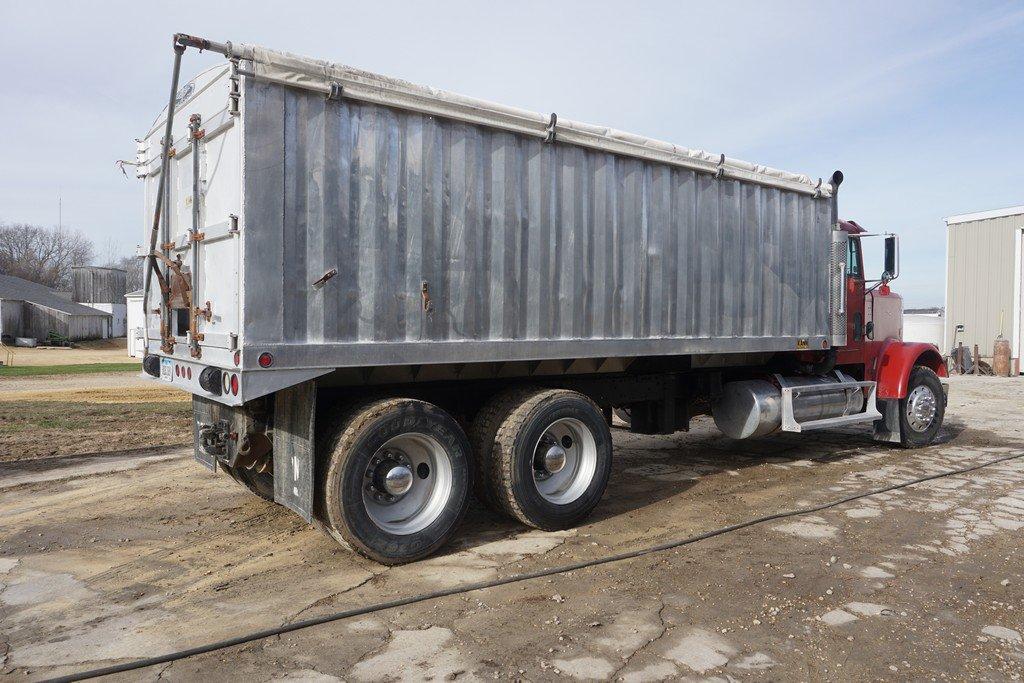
[856,330]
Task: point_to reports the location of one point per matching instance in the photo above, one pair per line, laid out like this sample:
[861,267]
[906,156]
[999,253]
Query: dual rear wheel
[397,472]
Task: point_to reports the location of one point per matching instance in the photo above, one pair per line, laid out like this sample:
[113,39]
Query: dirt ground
[110,558]
[98,351]
[74,414]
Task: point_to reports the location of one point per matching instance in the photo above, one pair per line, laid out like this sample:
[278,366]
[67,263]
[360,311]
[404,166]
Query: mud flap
[294,417]
[202,414]
[888,428]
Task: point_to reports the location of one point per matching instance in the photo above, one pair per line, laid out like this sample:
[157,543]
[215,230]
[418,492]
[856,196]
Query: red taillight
[234,385]
[177,371]
[238,358]
[266,360]
[190,373]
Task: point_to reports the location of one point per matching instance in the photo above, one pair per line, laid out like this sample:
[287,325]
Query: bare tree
[43,255]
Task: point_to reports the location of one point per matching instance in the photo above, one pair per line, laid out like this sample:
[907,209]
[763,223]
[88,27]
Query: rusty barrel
[1001,357]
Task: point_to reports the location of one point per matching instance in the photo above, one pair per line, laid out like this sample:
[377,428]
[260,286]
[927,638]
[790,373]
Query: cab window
[853,257]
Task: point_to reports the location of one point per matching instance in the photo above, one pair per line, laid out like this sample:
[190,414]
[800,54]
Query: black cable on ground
[516,578]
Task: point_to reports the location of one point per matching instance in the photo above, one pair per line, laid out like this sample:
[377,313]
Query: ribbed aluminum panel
[519,244]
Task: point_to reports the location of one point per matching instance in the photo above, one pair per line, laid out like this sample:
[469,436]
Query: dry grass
[50,428]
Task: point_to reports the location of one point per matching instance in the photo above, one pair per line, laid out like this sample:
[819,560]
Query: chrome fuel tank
[753,407]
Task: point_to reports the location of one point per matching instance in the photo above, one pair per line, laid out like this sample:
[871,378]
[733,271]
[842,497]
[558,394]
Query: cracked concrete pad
[837,617]
[413,656]
[34,587]
[306,676]
[445,570]
[531,543]
[758,661]
[630,631]
[119,637]
[700,650]
[1003,633]
[808,527]
[367,625]
[586,668]
[867,609]
[875,573]
[7,564]
[658,671]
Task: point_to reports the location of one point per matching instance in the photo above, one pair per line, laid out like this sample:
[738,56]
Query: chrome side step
[869,414]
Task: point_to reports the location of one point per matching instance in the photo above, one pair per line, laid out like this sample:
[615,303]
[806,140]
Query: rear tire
[260,483]
[545,456]
[396,480]
[923,408]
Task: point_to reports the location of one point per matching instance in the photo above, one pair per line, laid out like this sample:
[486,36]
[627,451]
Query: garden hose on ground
[516,578]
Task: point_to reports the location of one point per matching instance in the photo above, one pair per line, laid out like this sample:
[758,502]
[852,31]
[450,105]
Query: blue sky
[920,104]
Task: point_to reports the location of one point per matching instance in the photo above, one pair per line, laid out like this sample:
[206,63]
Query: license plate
[167,369]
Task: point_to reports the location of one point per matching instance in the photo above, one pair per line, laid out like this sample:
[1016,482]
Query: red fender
[895,361]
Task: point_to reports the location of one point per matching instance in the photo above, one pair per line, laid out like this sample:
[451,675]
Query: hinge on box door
[234,223]
[167,246]
[206,312]
[720,169]
[196,236]
[196,133]
[336,92]
[552,123]
[235,90]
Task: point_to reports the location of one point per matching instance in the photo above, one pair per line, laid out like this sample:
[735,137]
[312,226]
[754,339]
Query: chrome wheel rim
[407,483]
[921,408]
[564,461]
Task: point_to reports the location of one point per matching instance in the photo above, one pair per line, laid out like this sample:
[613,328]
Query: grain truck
[385,298]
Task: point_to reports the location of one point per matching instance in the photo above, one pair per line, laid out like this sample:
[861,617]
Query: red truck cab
[910,394]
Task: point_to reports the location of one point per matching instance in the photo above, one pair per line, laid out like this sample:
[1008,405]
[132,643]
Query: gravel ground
[109,558]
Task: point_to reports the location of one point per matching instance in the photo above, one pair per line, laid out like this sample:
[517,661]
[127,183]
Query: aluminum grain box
[463,231]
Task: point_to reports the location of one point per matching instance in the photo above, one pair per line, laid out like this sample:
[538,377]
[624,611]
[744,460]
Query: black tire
[348,449]
[507,438]
[481,436]
[912,435]
[260,483]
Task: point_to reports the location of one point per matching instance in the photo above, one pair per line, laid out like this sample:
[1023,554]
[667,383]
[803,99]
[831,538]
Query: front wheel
[397,476]
[923,408]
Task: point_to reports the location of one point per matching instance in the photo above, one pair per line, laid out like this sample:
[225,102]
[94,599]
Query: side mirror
[890,258]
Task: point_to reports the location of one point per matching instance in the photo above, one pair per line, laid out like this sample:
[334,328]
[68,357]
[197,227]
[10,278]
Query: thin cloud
[874,83]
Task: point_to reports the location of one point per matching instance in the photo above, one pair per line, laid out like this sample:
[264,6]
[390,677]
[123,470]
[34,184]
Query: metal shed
[103,289]
[983,280]
[29,309]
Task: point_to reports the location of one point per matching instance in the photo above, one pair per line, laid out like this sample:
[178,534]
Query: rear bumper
[251,384]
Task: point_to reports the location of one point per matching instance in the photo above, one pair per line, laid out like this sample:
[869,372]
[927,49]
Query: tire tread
[335,444]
